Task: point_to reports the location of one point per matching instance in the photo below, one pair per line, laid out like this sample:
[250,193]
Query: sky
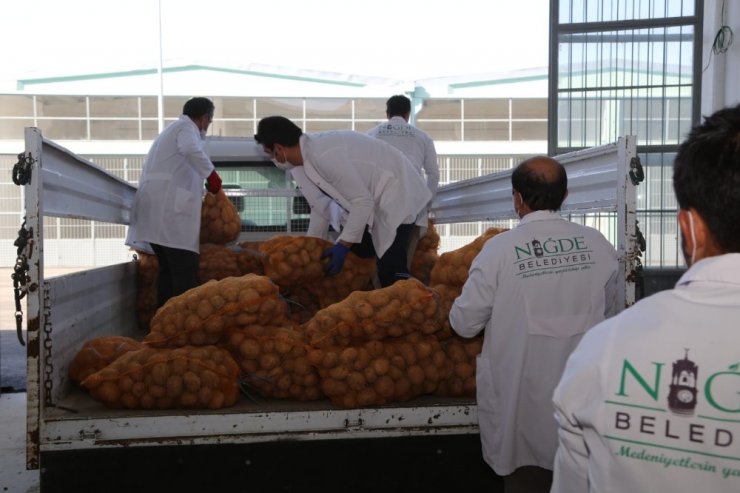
[399,39]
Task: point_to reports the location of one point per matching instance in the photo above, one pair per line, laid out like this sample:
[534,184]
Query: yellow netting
[187,377]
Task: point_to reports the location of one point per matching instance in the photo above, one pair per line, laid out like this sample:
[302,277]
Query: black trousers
[178,271]
[528,479]
[393,265]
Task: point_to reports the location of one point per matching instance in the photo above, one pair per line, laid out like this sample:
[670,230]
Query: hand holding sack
[294,263]
[336,255]
[219,220]
[213,182]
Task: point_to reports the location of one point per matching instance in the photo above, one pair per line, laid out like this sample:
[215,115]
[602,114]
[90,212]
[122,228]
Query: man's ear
[701,239]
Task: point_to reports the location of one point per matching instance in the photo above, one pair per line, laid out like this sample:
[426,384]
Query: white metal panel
[592,187]
[231,149]
[314,421]
[75,187]
[87,304]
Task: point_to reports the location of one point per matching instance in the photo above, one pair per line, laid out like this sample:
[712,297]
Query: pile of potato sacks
[268,317]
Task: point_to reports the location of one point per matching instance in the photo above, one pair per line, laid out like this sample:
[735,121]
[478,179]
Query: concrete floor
[13,474]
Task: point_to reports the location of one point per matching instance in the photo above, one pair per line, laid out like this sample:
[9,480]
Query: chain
[22,169]
[20,278]
[48,364]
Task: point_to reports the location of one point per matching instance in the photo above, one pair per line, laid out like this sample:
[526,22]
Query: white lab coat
[416,145]
[534,310]
[167,206]
[324,210]
[373,181]
[618,433]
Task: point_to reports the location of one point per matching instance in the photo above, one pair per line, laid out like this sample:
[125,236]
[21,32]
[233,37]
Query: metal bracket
[22,169]
[637,173]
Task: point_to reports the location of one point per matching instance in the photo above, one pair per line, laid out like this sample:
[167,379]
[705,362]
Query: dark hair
[706,175]
[197,107]
[273,130]
[398,105]
[541,189]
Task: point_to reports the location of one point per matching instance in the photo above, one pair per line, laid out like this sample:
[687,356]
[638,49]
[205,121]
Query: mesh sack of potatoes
[379,372]
[462,354]
[452,267]
[188,377]
[274,362]
[219,220]
[96,354]
[249,260]
[250,245]
[296,261]
[217,262]
[199,316]
[447,295]
[426,254]
[302,303]
[147,269]
[405,307]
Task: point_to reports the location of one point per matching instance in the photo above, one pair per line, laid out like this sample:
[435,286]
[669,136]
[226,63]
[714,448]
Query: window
[114,107]
[61,106]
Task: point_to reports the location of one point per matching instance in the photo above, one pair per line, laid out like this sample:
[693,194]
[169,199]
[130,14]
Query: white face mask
[693,238]
[202,135]
[516,209]
[285,165]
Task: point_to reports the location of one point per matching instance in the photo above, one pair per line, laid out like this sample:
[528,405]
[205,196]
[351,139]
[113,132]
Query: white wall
[721,79]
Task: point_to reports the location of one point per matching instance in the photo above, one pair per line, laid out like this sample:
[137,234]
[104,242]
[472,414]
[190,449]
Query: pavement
[13,474]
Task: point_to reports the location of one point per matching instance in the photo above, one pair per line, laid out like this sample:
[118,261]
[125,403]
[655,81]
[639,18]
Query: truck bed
[78,422]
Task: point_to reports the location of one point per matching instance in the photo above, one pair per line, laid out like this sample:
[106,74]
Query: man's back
[414,143]
[537,288]
[656,392]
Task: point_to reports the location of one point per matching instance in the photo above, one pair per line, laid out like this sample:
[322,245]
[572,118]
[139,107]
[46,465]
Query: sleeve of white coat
[334,167]
[472,309]
[318,226]
[610,296]
[610,289]
[431,167]
[577,391]
[190,145]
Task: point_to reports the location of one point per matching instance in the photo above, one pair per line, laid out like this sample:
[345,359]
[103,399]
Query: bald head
[542,183]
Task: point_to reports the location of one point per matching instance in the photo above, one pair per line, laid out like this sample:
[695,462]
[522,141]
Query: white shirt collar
[721,268]
[540,216]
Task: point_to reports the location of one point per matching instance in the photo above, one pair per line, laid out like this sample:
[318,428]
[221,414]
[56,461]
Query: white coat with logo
[373,181]
[416,145]
[650,399]
[167,206]
[535,290]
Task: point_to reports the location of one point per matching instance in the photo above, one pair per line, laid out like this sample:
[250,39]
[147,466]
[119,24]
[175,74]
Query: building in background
[648,68]
[480,125]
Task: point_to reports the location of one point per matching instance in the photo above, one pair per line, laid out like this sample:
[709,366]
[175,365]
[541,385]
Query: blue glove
[336,256]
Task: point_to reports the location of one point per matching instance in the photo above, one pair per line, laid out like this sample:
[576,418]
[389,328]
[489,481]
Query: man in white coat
[650,399]
[535,290]
[372,181]
[165,215]
[325,211]
[416,145]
